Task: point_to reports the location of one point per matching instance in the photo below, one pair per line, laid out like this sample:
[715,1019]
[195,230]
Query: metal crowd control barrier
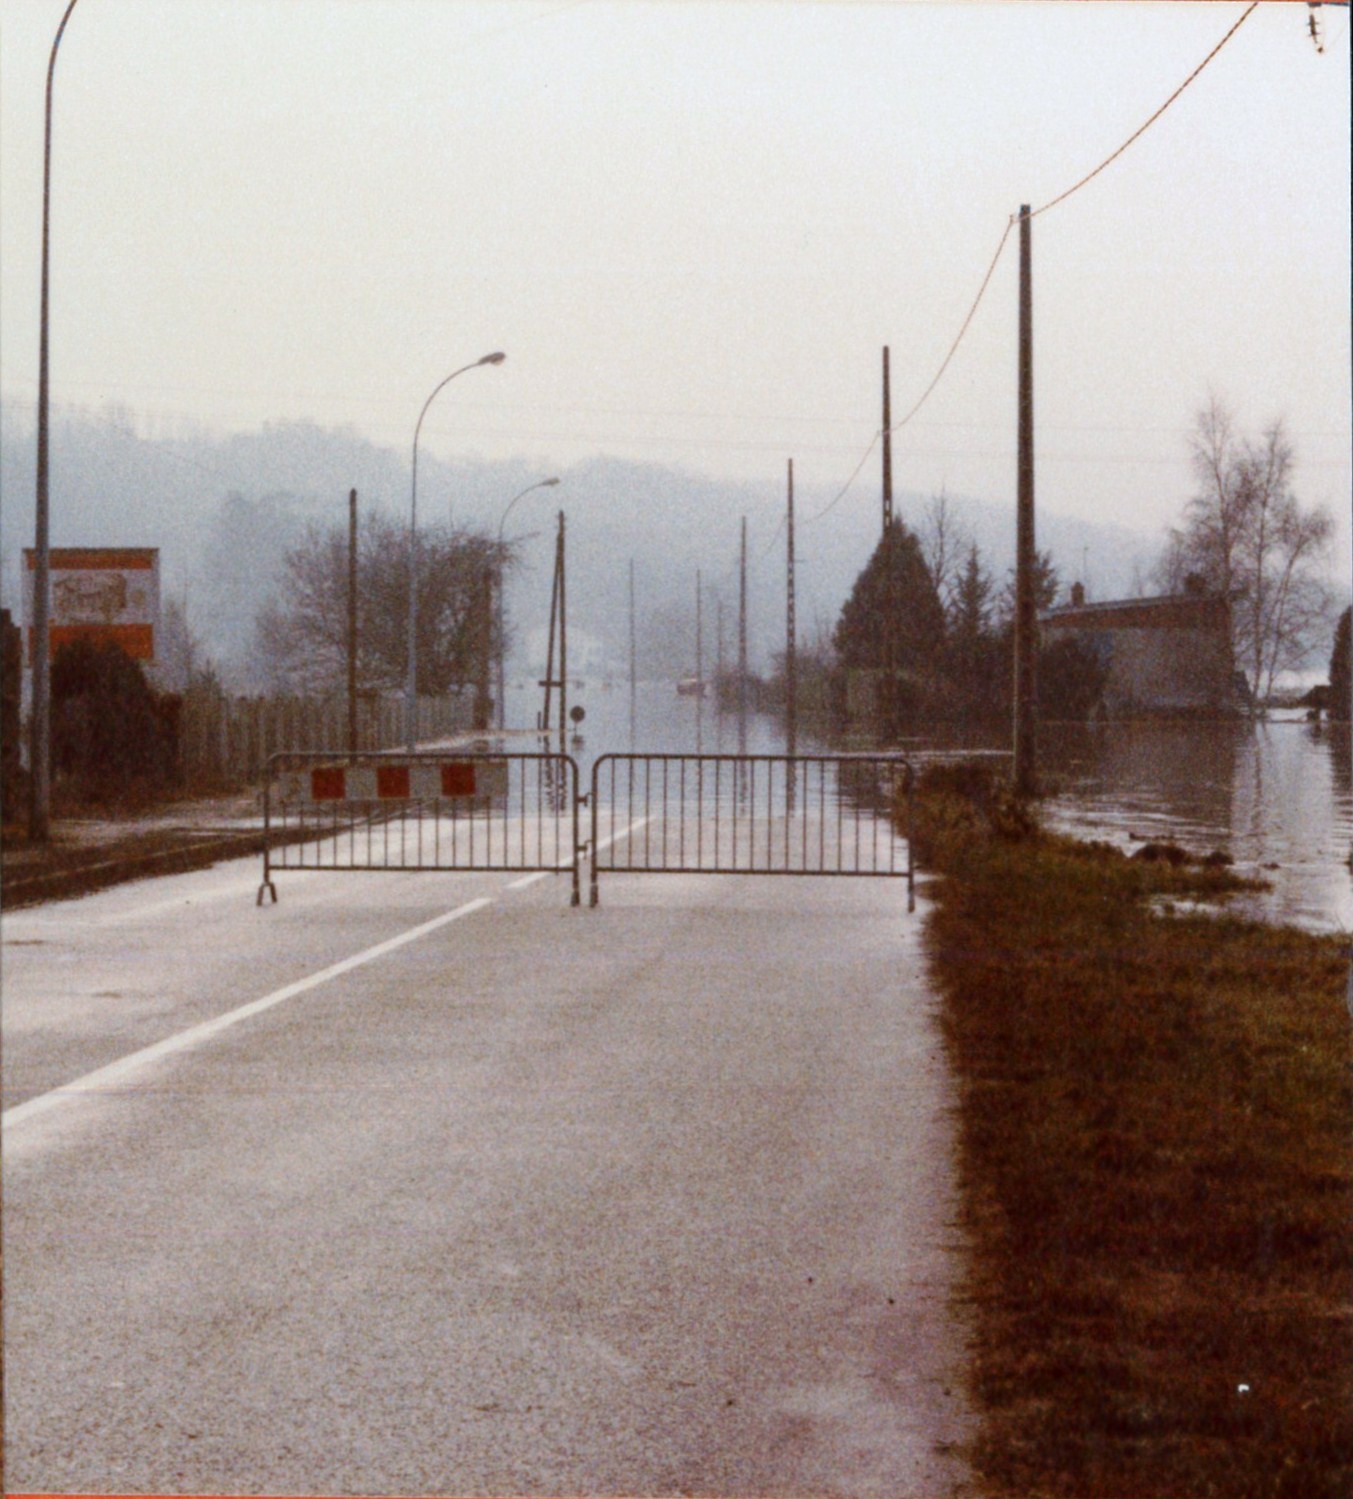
[752,814]
[425,811]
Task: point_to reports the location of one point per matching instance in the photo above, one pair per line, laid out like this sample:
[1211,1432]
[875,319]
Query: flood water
[1276,795]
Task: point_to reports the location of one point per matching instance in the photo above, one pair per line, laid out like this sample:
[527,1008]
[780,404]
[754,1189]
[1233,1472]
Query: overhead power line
[1142,129]
[1009,225]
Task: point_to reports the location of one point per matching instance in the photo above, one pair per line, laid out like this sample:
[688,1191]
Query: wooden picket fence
[227,740]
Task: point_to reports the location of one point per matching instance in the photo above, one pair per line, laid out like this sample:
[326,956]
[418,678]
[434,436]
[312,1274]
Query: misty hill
[224,509]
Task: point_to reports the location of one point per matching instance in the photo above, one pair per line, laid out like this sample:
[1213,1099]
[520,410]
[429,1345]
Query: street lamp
[539,484]
[40,745]
[411,680]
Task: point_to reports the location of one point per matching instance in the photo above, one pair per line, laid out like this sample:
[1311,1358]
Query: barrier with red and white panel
[429,811]
[396,780]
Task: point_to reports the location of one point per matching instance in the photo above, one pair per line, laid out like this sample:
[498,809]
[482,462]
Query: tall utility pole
[1026,617]
[563,637]
[699,636]
[718,669]
[791,669]
[742,644]
[887,446]
[557,612]
[352,621]
[483,692]
[699,668]
[634,660]
[889,696]
[40,745]
[718,648]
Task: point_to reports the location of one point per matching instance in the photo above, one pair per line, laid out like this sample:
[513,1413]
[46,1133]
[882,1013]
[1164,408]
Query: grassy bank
[1157,1156]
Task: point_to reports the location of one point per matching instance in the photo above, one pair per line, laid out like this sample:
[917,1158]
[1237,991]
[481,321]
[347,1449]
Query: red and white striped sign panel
[445,780]
[100,593]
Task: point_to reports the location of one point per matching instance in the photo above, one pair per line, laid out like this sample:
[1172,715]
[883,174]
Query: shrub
[110,733]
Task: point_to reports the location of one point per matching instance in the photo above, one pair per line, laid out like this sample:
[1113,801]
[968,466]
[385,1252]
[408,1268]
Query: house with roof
[1164,656]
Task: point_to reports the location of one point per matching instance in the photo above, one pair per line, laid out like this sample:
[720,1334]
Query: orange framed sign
[99,593]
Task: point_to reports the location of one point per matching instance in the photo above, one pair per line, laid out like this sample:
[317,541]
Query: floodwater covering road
[653,1198]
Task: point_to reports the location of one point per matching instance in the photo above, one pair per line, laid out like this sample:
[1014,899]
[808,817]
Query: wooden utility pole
[887,446]
[353,745]
[483,694]
[699,637]
[550,681]
[634,660]
[718,658]
[888,698]
[742,644]
[791,669]
[699,667]
[1026,615]
[563,638]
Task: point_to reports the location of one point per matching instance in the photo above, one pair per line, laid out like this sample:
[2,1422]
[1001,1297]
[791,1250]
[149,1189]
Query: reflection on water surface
[1271,793]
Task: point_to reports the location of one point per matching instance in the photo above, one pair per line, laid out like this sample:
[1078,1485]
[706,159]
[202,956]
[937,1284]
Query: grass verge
[1157,1162]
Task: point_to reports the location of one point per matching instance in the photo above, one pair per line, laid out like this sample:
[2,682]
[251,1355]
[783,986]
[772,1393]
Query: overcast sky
[692,227]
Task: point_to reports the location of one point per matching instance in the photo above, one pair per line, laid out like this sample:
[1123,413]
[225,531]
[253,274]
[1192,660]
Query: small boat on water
[692,687]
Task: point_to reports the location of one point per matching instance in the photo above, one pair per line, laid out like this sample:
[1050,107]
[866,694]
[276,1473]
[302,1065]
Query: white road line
[623,833]
[544,874]
[118,1072]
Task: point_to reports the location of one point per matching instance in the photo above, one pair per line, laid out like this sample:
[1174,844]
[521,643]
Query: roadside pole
[634,660]
[791,665]
[742,643]
[1026,618]
[352,622]
[563,642]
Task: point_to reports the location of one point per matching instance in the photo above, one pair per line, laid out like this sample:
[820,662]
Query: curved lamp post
[411,680]
[539,484]
[40,753]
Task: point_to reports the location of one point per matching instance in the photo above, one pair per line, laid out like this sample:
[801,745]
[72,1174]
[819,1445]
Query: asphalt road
[650,1199]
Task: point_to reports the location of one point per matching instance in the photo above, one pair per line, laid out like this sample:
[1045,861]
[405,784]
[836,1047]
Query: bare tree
[1283,549]
[1246,536]
[301,637]
[944,545]
[1207,544]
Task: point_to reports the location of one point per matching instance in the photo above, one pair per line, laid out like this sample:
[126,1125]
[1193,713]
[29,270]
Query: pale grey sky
[692,227]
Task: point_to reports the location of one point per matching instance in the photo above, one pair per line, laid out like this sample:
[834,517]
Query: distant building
[1162,656]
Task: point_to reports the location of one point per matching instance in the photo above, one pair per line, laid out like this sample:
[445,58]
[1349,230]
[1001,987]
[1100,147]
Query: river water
[1276,795]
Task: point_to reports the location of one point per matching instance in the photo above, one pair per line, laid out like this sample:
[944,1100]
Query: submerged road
[429,1184]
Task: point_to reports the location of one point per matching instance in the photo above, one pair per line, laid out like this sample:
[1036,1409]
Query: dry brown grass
[1157,1148]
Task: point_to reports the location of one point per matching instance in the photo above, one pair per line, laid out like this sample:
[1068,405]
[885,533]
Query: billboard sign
[101,594]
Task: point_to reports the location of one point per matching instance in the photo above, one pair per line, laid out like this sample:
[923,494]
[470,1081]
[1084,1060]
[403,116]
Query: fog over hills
[224,508]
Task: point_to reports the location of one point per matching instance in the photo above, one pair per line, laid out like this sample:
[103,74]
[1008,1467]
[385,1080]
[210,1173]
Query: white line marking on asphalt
[544,874]
[117,1072]
[623,833]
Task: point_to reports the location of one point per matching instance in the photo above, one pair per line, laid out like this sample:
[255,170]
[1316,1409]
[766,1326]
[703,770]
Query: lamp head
[548,483]
[493,359]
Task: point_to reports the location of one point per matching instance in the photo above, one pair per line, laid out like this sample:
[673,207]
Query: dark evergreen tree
[977,665]
[893,623]
[893,614]
[1047,585]
[109,730]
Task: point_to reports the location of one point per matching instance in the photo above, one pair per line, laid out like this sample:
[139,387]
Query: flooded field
[1276,795]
